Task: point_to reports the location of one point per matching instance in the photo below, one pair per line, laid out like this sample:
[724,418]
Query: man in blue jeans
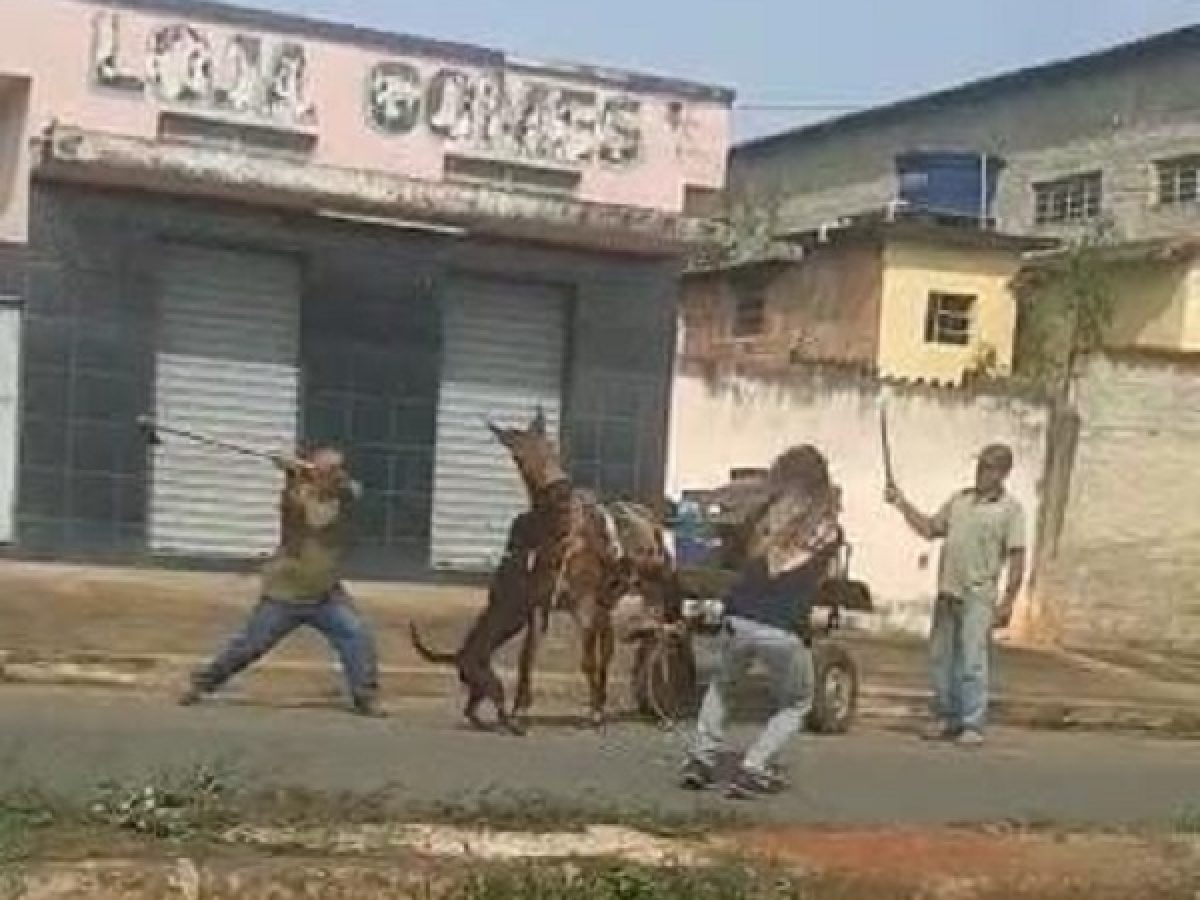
[302,584]
[790,542]
[983,533]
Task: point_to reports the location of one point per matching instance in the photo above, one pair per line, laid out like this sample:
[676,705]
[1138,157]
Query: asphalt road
[71,739]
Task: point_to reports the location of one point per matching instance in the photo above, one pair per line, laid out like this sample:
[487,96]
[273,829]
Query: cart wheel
[835,690]
[664,678]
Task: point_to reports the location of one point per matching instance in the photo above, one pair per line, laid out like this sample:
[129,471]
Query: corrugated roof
[1181,38]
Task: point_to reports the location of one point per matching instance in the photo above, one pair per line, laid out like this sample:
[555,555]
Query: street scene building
[428,471]
[1106,144]
[884,252]
[275,230]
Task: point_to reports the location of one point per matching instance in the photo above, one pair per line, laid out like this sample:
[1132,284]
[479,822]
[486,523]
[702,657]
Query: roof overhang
[1152,250]
[919,231]
[199,170]
[776,255]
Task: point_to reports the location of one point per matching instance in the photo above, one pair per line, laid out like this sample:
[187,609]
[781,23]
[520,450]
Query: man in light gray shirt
[983,533]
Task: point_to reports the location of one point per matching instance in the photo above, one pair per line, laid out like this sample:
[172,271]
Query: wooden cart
[665,677]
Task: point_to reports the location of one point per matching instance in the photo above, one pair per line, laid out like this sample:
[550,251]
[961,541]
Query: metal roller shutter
[503,356]
[10,385]
[226,365]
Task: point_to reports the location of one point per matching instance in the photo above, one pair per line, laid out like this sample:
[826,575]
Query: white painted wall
[727,420]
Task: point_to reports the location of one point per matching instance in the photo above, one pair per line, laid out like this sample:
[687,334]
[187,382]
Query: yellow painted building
[905,299]
[946,309]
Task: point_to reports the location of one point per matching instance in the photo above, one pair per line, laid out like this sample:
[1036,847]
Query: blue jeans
[790,670]
[273,620]
[959,646]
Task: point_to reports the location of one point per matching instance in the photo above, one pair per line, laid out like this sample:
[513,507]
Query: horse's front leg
[597,646]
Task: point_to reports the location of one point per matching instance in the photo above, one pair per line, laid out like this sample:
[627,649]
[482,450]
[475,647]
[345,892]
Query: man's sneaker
[940,731]
[697,776]
[970,738]
[746,784]
[369,708]
[192,696]
[780,776]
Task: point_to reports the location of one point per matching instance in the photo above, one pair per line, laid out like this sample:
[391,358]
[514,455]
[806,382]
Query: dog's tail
[430,656]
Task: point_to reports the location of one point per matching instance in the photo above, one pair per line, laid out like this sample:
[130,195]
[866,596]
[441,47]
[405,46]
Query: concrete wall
[1152,301]
[1128,563]
[1191,313]
[935,434]
[825,307]
[911,272]
[361,105]
[1117,118]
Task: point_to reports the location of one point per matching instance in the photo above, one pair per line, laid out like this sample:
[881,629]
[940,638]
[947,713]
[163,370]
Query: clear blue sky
[791,52]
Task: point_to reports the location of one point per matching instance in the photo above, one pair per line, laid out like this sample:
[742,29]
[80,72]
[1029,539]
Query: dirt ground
[94,611]
[82,612]
[941,864]
[1035,864]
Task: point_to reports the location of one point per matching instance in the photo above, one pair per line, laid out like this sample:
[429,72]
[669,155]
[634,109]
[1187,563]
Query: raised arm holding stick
[983,532]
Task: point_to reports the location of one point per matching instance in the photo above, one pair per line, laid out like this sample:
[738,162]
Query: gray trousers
[789,667]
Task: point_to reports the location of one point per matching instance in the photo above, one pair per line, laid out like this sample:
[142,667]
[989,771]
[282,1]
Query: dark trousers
[273,620]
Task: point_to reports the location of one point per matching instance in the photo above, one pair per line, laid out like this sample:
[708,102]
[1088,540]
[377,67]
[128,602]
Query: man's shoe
[192,696]
[697,776]
[940,731]
[747,784]
[970,738]
[369,708]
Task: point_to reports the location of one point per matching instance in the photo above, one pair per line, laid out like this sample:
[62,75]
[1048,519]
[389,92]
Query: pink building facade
[278,230]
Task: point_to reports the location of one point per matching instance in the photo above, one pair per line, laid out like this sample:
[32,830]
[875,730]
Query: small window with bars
[1068,201]
[948,319]
[1177,180]
[749,312]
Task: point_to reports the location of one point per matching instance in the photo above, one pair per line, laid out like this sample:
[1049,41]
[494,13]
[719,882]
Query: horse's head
[533,452]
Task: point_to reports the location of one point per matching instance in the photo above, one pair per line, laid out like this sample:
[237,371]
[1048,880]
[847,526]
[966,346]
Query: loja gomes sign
[501,114]
[264,80]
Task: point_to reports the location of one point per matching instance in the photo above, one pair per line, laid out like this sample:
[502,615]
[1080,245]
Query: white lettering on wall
[502,115]
[490,112]
[183,65]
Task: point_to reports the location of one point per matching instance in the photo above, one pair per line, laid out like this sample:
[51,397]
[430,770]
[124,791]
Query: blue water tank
[961,185]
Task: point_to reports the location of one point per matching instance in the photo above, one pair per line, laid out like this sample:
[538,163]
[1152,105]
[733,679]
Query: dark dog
[500,621]
[568,552]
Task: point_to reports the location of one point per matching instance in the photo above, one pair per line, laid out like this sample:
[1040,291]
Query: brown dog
[567,552]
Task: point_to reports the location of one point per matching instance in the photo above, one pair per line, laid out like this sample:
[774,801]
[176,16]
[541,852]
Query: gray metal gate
[225,364]
[503,357]
[10,407]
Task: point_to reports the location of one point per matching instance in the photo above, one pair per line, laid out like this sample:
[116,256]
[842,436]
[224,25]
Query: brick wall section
[370,351]
[1116,118]
[1127,568]
[824,308]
